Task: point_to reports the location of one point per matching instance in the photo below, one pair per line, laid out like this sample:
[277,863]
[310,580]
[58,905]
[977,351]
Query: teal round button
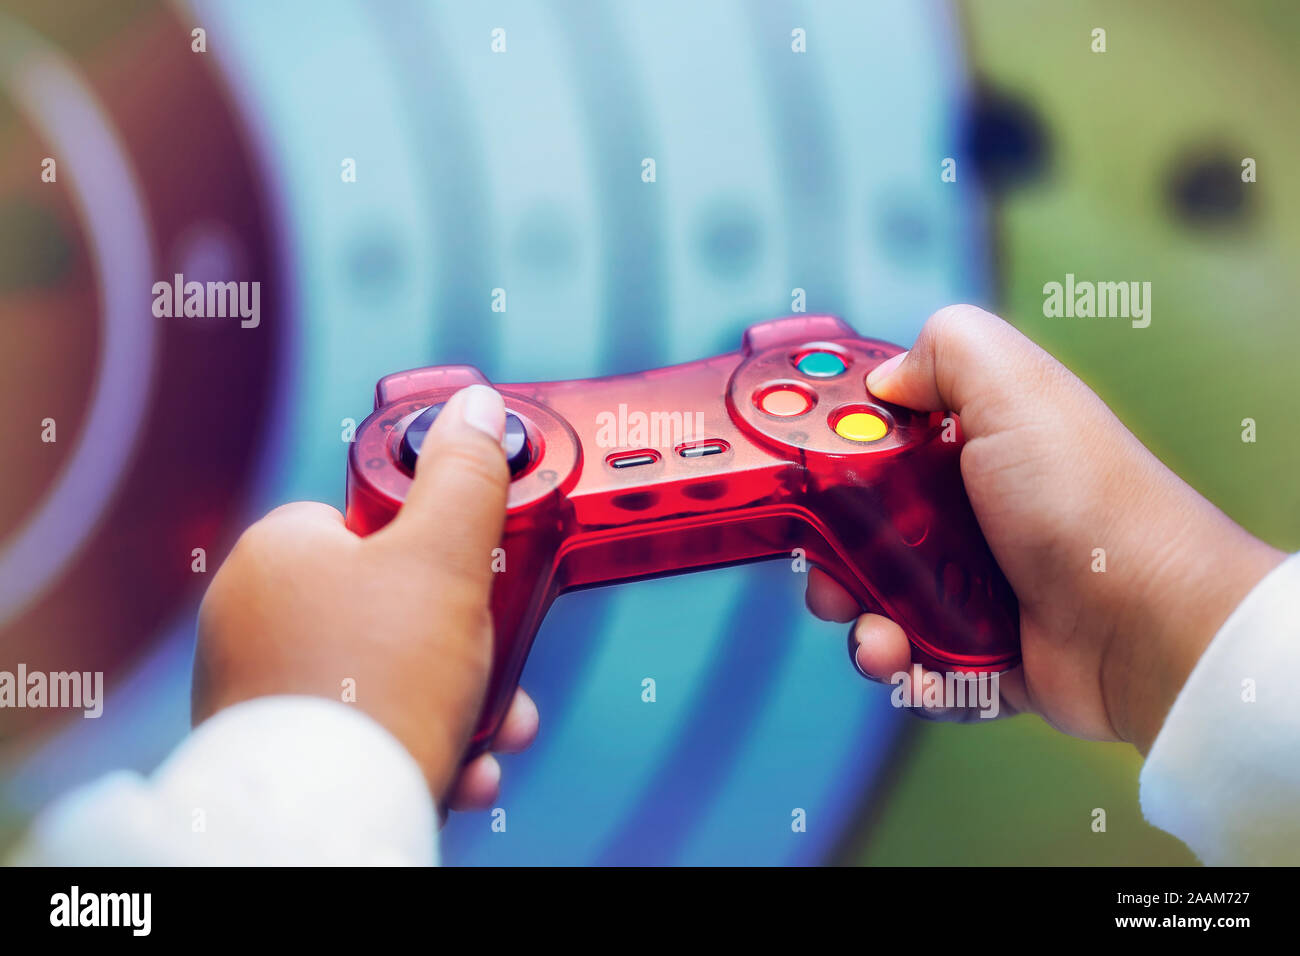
[820,365]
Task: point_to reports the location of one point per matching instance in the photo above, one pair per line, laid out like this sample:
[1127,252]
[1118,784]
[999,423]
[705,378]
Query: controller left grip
[523,588]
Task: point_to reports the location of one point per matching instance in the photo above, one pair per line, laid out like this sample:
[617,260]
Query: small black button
[702,449]
[631,461]
[515,442]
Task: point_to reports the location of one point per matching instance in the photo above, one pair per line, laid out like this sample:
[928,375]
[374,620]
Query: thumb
[966,361]
[455,510]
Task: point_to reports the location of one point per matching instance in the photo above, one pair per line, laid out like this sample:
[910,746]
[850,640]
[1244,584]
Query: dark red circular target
[130,438]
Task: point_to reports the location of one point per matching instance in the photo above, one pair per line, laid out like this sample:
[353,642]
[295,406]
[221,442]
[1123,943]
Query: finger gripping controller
[777,450]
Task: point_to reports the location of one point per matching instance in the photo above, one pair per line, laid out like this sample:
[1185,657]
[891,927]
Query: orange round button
[861,426]
[784,402]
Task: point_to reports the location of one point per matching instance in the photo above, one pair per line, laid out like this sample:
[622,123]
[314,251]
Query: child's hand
[302,605]
[1053,475]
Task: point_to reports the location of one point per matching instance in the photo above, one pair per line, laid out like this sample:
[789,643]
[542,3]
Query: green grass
[1222,346]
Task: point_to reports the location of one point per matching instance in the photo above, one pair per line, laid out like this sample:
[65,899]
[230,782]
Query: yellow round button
[861,426]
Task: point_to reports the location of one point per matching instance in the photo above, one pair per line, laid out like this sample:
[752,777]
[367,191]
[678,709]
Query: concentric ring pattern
[782,180]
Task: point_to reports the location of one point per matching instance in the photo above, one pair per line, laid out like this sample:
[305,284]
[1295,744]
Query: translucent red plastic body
[888,519]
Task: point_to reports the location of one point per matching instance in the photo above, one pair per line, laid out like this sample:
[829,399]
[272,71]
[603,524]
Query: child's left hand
[304,606]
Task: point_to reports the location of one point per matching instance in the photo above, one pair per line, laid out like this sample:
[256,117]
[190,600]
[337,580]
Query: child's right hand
[1053,475]
[303,606]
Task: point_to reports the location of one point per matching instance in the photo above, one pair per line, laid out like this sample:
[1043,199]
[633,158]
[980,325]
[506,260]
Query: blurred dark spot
[728,240]
[1004,138]
[635,501]
[36,251]
[545,240]
[904,231]
[1205,189]
[705,490]
[206,252]
[373,264]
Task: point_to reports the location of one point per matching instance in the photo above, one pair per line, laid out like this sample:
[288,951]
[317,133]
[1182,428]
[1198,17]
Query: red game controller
[778,450]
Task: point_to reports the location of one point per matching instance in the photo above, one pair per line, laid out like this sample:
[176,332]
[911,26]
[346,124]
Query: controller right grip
[907,544]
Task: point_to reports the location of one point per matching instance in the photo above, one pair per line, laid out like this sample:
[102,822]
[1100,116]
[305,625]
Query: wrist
[435,748]
[1194,581]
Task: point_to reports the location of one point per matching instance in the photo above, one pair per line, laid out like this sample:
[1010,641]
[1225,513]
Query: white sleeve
[1224,773]
[272,781]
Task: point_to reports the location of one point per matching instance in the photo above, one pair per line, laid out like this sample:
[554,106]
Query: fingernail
[857,665]
[855,645]
[483,408]
[884,369]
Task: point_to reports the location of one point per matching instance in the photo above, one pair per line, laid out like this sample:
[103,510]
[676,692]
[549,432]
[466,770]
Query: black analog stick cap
[515,442]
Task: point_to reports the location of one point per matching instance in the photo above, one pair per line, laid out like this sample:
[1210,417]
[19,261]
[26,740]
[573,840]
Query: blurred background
[521,170]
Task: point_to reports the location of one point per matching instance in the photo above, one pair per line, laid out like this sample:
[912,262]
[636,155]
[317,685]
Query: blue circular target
[563,190]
